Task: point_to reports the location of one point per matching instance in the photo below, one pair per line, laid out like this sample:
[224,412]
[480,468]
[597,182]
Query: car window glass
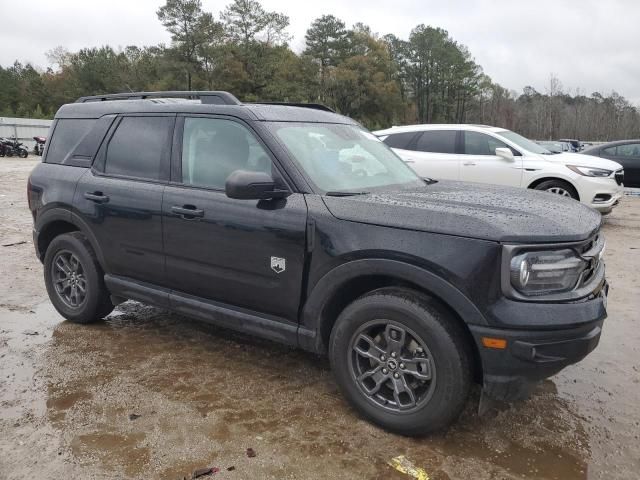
[437,141]
[339,157]
[138,147]
[66,136]
[400,140]
[476,143]
[629,150]
[213,148]
[609,151]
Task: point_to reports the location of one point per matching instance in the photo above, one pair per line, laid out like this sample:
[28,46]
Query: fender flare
[54,214]
[312,320]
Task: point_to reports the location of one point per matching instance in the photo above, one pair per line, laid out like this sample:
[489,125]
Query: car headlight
[544,272]
[590,171]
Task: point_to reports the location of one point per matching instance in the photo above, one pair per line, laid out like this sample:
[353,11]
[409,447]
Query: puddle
[202,395]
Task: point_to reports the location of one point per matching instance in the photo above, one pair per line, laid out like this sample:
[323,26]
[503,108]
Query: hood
[584,160]
[473,210]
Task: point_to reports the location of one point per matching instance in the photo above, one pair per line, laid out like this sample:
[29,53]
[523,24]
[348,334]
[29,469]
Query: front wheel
[401,360]
[559,187]
[23,153]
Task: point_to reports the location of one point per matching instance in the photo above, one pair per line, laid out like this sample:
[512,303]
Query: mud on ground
[149,394]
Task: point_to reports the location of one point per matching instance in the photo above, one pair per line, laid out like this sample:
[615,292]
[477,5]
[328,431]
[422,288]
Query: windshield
[553,147]
[343,158]
[524,143]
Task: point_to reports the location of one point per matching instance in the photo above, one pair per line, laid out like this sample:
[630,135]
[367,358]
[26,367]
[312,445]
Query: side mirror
[505,153]
[250,185]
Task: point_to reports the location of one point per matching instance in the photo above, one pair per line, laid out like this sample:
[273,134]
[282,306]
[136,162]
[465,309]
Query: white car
[479,153]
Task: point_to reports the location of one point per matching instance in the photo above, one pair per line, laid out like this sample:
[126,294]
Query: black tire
[557,186]
[443,397]
[23,153]
[96,303]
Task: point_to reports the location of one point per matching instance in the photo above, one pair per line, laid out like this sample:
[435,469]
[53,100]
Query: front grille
[619,176]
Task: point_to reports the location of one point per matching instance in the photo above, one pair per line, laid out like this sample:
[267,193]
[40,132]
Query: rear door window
[402,141]
[437,141]
[140,148]
[67,134]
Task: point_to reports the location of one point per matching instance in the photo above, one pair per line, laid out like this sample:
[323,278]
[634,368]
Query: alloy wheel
[69,279]
[559,191]
[392,366]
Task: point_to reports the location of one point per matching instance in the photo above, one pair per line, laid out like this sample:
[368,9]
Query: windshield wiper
[344,194]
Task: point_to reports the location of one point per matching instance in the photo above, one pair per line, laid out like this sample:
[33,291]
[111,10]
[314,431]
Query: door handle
[96,197]
[409,160]
[187,212]
[469,164]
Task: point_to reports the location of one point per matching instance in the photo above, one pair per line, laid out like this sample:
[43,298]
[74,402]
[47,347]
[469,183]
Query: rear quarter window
[67,134]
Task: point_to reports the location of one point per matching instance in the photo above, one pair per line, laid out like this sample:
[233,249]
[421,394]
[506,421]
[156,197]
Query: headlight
[544,272]
[590,171]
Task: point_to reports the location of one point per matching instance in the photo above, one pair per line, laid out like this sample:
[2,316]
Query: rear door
[245,253]
[120,198]
[481,164]
[432,154]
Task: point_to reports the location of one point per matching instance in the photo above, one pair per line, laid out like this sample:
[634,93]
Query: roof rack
[315,106]
[207,97]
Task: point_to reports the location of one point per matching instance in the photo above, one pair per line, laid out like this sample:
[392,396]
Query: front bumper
[532,355]
[603,194]
[608,205]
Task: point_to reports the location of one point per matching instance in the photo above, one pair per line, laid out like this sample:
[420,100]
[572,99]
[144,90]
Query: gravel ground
[149,394]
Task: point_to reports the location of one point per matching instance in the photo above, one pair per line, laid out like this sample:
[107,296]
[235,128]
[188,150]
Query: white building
[24,129]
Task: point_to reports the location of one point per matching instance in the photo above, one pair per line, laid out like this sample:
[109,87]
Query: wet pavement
[150,394]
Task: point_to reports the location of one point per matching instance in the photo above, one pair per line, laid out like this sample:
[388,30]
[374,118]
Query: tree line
[379,80]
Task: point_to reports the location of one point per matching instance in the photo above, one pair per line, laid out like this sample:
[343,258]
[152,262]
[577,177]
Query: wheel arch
[56,221]
[345,283]
[538,181]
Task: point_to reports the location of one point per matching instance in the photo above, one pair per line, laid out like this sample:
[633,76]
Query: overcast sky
[588,44]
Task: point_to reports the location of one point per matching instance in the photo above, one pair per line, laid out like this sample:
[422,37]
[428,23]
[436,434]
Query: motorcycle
[39,146]
[13,147]
[3,147]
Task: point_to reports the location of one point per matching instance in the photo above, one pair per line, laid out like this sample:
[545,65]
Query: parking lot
[149,394]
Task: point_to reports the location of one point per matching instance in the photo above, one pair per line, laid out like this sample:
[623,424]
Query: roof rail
[315,106]
[208,97]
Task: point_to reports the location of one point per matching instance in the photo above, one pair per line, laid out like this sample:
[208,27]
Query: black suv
[296,224]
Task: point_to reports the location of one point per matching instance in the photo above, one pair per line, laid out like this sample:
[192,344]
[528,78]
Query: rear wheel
[74,279]
[401,361]
[559,187]
[22,153]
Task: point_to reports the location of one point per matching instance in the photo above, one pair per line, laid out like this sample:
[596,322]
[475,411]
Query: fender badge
[278,264]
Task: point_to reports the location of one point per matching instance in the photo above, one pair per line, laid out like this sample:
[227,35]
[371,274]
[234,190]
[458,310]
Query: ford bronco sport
[296,224]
